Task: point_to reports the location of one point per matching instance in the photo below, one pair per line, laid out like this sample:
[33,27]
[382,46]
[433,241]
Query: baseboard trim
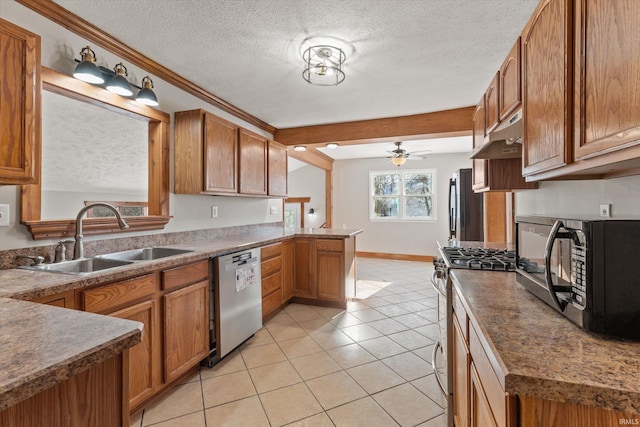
[401,257]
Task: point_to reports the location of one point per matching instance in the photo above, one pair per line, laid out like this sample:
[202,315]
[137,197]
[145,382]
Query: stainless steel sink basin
[145,254]
[79,266]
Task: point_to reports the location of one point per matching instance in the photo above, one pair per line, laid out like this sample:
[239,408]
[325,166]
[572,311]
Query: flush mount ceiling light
[119,83]
[332,145]
[299,148]
[87,70]
[323,65]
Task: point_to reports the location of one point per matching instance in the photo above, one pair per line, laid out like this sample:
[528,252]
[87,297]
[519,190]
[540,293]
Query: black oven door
[546,255]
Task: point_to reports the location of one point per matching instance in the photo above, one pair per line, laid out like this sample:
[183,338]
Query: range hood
[504,142]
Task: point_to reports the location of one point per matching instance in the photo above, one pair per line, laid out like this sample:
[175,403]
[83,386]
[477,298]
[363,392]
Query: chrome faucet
[78,249]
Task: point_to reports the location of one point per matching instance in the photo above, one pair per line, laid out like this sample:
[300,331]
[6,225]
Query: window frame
[402,196]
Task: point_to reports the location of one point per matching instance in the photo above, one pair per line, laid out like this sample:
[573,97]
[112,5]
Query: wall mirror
[97,146]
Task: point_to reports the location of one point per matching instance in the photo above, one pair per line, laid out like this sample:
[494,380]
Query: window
[407,195]
[125,209]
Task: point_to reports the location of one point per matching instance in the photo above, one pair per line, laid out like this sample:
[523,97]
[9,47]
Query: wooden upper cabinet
[253,163]
[492,97]
[221,155]
[547,92]
[479,124]
[607,76]
[510,93]
[206,153]
[277,169]
[20,106]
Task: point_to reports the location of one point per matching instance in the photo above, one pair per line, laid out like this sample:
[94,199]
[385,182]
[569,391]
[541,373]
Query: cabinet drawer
[271,251]
[271,266]
[271,302]
[107,298]
[461,314]
[329,245]
[496,395]
[271,283]
[185,274]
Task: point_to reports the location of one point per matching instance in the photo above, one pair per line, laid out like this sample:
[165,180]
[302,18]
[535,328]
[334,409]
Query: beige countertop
[540,353]
[43,345]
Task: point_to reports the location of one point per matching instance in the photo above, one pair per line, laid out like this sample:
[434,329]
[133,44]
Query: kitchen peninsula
[533,366]
[21,372]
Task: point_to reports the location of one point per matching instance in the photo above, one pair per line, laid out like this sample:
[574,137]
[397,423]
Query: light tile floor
[316,366]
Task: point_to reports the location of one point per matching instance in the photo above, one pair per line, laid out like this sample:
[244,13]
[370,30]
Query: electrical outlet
[4,215]
[273,210]
[605,211]
[214,212]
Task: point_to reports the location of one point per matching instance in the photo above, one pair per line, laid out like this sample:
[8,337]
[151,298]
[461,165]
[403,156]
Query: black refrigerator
[465,208]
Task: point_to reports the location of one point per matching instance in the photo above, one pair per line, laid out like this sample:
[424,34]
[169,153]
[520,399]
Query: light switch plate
[4,215]
[273,210]
[605,211]
[214,212]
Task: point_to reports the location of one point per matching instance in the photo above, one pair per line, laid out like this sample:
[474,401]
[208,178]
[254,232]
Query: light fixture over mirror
[323,65]
[113,80]
[87,70]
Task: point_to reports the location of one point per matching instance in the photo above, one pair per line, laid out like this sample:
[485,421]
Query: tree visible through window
[402,195]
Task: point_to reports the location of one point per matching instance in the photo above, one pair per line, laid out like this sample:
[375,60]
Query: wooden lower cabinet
[143,375]
[460,377]
[304,268]
[288,259]
[64,300]
[186,328]
[272,274]
[94,398]
[330,266]
[481,415]
[173,306]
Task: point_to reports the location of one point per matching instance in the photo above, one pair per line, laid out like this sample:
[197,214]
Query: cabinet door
[330,279]
[607,83]
[287,269]
[492,97]
[510,90]
[19,105]
[304,269]
[143,369]
[220,155]
[253,163]
[546,62]
[479,124]
[481,415]
[64,300]
[277,169]
[186,328]
[461,362]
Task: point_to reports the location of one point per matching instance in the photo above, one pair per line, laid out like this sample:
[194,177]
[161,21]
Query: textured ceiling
[403,56]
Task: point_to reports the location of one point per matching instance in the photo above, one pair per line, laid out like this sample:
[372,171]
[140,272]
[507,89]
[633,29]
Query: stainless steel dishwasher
[238,299]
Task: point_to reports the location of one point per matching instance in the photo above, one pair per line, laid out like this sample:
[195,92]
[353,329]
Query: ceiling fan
[399,156]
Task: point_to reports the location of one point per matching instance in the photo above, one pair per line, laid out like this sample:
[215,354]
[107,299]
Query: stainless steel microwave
[587,269]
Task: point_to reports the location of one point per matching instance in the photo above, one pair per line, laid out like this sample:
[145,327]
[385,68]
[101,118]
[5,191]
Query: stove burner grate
[481,258]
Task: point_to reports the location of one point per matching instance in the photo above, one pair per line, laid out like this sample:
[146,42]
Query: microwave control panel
[579,274]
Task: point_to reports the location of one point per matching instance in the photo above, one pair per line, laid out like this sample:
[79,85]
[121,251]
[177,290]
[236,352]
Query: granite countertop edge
[27,371]
[612,382]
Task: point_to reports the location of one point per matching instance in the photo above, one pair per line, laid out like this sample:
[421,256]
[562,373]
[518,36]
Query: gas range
[479,258]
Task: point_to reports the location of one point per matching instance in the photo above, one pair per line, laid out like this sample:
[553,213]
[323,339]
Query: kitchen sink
[78,266]
[145,254]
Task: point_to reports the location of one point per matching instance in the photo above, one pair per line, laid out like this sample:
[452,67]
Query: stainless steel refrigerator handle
[452,220]
[435,285]
[547,264]
[435,371]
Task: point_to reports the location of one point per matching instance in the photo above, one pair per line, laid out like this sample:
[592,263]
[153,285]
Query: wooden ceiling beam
[313,157]
[447,123]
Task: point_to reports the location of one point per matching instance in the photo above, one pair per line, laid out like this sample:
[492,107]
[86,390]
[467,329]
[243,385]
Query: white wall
[309,181]
[580,198]
[351,206]
[59,48]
